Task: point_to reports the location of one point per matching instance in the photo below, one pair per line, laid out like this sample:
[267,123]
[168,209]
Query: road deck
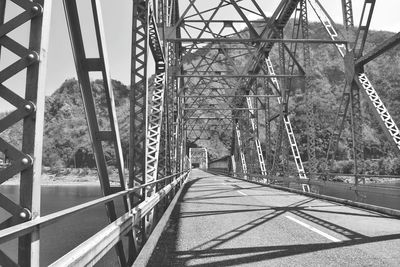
[221,221]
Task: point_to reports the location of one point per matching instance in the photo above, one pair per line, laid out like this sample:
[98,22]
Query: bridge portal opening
[198,158]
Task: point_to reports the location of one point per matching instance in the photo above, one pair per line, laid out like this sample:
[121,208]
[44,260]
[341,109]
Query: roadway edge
[148,248]
[370,207]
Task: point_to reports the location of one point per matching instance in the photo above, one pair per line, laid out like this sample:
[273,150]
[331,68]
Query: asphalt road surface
[221,221]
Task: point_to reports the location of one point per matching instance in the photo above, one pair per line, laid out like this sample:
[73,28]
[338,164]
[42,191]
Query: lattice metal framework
[199,157]
[99,138]
[27,159]
[214,79]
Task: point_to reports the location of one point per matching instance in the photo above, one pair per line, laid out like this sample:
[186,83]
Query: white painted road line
[334,239]
[211,184]
[240,192]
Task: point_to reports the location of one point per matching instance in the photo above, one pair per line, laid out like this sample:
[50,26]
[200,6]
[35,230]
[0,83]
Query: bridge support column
[27,160]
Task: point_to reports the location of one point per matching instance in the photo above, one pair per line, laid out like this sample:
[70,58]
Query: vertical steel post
[312,159]
[347,10]
[30,108]
[32,142]
[84,66]
[206,157]
[138,111]
[233,165]
[268,150]
[139,98]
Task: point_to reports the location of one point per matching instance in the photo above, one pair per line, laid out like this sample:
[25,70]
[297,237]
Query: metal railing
[94,248]
[360,192]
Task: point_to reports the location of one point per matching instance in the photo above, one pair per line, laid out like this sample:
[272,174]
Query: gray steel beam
[83,69]
[30,108]
[378,50]
[254,40]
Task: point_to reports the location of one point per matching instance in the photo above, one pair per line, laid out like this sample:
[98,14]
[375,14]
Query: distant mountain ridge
[66,128]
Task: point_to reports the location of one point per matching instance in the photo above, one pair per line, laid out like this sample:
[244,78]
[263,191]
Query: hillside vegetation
[67,144]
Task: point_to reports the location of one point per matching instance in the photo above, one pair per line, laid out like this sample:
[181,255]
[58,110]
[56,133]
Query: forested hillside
[66,140]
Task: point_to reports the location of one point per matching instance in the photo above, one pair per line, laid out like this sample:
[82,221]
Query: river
[61,237]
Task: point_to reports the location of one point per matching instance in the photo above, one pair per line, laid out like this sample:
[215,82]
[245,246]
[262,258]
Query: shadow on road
[211,251]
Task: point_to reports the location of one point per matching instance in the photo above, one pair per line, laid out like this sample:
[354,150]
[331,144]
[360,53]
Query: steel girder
[196,76]
[174,83]
[274,29]
[357,80]
[139,96]
[312,159]
[138,110]
[377,51]
[200,75]
[285,123]
[84,66]
[168,141]
[147,107]
[347,10]
[239,149]
[146,116]
[26,160]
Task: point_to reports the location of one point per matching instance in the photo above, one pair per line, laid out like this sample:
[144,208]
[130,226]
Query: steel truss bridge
[213,72]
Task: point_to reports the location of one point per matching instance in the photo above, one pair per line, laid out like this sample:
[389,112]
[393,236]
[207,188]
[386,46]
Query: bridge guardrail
[108,235]
[359,189]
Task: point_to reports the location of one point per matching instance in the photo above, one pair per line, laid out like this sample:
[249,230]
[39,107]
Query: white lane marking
[240,192]
[211,184]
[334,239]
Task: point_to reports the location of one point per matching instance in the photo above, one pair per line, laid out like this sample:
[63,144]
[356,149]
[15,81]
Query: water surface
[61,237]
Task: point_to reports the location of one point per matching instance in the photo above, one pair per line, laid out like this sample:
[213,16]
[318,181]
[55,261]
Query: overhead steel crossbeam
[252,41]
[26,160]
[273,30]
[379,50]
[197,24]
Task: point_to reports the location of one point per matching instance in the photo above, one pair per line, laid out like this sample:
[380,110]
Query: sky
[117,22]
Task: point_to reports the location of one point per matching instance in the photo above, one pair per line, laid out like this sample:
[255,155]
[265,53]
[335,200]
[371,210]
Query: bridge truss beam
[99,138]
[26,160]
[202,89]
[358,81]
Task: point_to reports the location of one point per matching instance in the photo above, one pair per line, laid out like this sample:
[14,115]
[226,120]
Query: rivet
[31,56]
[28,107]
[36,9]
[23,215]
[25,161]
